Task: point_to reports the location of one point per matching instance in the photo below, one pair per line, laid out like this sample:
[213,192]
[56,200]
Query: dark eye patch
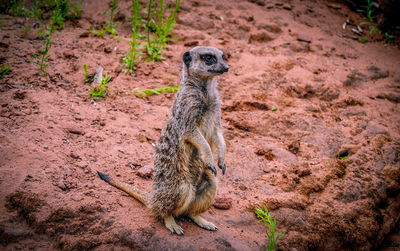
[209,59]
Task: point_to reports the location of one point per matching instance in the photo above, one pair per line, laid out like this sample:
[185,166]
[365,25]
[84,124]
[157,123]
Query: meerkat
[184,177]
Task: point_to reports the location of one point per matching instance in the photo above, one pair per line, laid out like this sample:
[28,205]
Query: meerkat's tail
[132,191]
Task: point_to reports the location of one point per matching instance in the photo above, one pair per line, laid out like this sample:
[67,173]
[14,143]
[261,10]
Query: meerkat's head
[204,61]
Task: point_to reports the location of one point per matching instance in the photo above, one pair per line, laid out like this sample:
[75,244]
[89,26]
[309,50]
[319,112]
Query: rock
[303,38]
[107,49]
[74,155]
[260,37]
[266,153]
[75,131]
[145,172]
[84,34]
[294,147]
[223,202]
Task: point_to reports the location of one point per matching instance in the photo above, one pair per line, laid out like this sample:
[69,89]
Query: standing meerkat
[184,181]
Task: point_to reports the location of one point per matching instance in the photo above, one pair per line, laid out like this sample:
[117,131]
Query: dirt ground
[332,95]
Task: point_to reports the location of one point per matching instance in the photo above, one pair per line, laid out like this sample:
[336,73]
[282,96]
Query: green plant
[56,22]
[110,26]
[362,39]
[273,236]
[48,43]
[273,108]
[88,78]
[4,69]
[17,8]
[101,90]
[133,54]
[342,155]
[26,29]
[149,92]
[97,33]
[59,14]
[389,38]
[75,10]
[162,28]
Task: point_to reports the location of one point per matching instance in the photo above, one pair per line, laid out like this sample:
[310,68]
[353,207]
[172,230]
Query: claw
[212,169]
[223,168]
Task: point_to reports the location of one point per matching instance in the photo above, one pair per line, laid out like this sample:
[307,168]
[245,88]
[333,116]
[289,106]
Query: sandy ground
[332,95]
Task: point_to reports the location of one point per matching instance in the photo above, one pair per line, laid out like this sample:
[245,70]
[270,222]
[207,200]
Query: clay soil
[332,95]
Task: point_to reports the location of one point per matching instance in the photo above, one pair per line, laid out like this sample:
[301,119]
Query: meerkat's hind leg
[170,223]
[201,222]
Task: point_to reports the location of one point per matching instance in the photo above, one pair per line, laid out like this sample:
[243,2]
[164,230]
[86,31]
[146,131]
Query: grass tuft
[156,91]
[4,69]
[273,236]
[101,90]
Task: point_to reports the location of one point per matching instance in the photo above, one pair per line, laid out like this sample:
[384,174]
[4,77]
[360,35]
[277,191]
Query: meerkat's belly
[207,125]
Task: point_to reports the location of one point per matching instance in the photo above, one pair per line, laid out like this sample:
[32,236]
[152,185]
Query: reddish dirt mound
[332,95]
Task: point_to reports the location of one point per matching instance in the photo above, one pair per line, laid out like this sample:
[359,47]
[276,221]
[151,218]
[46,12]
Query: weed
[272,235]
[363,39]
[88,78]
[273,108]
[25,30]
[97,33]
[48,44]
[149,92]
[4,69]
[16,8]
[101,90]
[343,155]
[56,22]
[75,9]
[389,38]
[162,28]
[59,14]
[110,26]
[133,54]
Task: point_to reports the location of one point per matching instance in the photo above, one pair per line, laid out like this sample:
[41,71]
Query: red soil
[332,94]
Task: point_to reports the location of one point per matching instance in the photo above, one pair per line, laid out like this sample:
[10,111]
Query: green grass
[110,26]
[4,69]
[156,91]
[363,39]
[162,24]
[88,78]
[342,156]
[101,90]
[132,57]
[272,234]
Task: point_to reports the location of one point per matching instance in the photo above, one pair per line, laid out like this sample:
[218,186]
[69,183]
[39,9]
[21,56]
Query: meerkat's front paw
[222,167]
[201,222]
[172,226]
[212,168]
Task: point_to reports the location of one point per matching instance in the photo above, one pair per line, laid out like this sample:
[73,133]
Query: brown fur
[184,181]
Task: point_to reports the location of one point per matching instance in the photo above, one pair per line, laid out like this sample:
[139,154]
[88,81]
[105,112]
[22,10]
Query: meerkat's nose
[225,68]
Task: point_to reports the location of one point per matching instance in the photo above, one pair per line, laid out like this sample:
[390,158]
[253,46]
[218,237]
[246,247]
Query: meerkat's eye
[224,57]
[209,59]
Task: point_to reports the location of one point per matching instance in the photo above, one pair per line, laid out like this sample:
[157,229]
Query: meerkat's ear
[187,58]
